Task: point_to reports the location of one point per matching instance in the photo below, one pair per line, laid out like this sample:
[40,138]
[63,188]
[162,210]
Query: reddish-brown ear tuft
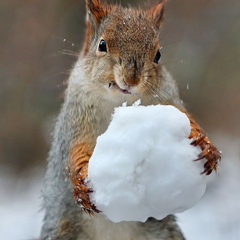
[96,10]
[158,13]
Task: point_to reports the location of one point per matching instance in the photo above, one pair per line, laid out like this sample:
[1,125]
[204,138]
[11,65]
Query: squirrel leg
[209,151]
[79,159]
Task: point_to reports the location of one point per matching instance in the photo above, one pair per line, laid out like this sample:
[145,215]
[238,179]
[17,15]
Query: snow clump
[142,166]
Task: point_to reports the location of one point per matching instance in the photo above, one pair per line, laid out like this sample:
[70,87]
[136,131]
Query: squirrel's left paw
[81,195]
[209,152]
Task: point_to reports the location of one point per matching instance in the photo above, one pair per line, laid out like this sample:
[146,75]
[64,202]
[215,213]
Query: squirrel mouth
[115,86]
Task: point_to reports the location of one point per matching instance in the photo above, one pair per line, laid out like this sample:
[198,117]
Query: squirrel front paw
[81,196]
[209,152]
[78,172]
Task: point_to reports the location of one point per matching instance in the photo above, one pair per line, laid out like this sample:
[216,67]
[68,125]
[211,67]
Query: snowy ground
[216,217]
[20,204]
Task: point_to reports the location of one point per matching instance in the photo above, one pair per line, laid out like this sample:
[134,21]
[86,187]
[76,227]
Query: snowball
[142,166]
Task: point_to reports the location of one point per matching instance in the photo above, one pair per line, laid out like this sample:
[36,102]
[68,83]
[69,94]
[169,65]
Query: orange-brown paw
[209,152]
[81,196]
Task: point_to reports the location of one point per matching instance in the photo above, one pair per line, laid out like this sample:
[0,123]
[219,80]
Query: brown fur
[209,151]
[79,158]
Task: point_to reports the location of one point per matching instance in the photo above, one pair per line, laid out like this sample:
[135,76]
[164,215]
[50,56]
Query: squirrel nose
[131,80]
[132,72]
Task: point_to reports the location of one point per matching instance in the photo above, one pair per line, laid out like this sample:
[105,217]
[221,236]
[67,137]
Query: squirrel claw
[198,140]
[200,157]
[209,152]
[81,196]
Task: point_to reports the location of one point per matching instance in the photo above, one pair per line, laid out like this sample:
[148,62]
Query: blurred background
[38,46]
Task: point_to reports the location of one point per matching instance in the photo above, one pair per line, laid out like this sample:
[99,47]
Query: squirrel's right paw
[81,195]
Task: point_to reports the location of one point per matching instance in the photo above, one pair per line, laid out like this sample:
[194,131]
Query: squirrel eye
[157,57]
[102,46]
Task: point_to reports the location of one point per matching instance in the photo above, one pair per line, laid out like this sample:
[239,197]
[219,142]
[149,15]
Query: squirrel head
[122,48]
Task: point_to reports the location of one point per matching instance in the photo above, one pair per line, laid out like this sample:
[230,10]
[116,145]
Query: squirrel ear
[95,11]
[158,13]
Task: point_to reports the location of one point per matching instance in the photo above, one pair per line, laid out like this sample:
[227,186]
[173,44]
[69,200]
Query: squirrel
[119,62]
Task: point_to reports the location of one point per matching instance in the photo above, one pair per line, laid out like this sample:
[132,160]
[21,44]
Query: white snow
[20,205]
[142,166]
